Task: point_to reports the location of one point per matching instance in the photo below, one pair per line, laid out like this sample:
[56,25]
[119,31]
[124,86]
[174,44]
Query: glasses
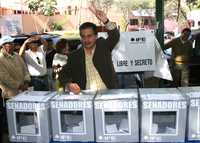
[38,60]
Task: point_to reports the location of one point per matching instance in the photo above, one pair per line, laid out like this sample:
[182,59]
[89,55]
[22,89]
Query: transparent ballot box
[27,123]
[164,122]
[72,117]
[72,121]
[193,96]
[116,116]
[163,115]
[28,117]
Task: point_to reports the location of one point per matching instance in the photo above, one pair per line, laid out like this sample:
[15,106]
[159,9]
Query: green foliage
[193,4]
[135,4]
[178,11]
[45,7]
[123,24]
[48,7]
[33,5]
[56,26]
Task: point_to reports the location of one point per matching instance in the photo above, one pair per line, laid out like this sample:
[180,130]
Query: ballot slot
[72,122]
[116,122]
[164,123]
[27,123]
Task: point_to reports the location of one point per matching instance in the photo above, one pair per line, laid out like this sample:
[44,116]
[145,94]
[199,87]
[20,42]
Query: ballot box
[135,51]
[28,117]
[193,126]
[164,112]
[72,117]
[116,116]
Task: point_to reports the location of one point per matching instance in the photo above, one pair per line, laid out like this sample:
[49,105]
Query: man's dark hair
[186,30]
[60,45]
[49,40]
[87,25]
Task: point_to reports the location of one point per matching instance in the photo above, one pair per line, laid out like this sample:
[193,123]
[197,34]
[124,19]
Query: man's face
[33,45]
[9,47]
[88,37]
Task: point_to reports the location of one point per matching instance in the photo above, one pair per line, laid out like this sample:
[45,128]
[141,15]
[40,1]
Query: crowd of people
[38,65]
[32,67]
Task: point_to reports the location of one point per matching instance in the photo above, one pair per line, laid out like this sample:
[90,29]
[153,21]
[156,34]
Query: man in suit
[91,67]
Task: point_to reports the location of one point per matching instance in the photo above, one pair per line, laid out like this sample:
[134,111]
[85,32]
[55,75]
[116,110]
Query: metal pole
[160,21]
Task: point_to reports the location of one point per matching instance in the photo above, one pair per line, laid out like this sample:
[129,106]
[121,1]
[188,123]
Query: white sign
[71,104]
[116,104]
[164,105]
[25,106]
[134,52]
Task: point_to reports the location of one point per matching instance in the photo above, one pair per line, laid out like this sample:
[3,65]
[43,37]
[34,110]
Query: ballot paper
[170,130]
[73,128]
[79,128]
[111,129]
[123,127]
[67,119]
[28,129]
[72,121]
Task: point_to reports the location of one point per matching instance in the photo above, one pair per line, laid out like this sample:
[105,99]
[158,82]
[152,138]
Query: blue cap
[6,39]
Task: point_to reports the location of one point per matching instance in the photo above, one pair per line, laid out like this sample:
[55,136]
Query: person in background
[181,53]
[197,45]
[1,116]
[91,67]
[1,111]
[33,52]
[60,59]
[0,37]
[17,47]
[50,52]
[14,77]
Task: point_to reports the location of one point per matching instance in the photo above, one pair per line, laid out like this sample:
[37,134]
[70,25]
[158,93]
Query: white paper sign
[134,52]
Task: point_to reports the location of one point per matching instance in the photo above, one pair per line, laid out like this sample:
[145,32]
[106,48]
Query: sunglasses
[38,60]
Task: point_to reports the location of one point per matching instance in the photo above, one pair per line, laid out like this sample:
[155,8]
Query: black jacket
[75,70]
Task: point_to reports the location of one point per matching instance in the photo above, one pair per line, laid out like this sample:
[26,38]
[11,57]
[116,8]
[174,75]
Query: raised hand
[28,40]
[98,13]
[31,39]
